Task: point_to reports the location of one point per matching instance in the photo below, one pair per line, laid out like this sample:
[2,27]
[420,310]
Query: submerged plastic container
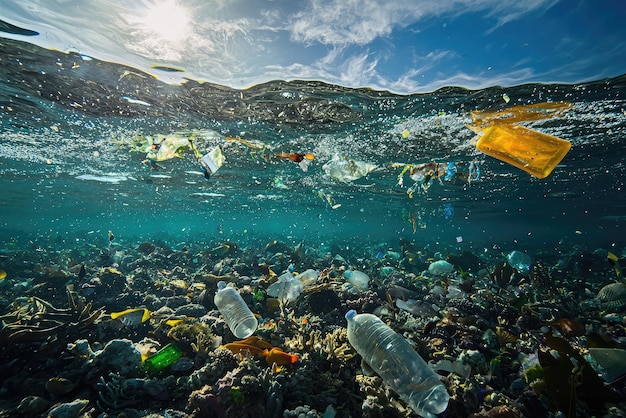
[520,261]
[534,152]
[162,358]
[346,170]
[357,279]
[235,311]
[397,363]
[287,288]
[212,161]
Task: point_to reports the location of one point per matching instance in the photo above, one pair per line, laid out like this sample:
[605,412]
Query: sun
[167,20]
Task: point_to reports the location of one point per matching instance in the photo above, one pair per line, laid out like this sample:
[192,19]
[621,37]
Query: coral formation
[491,333]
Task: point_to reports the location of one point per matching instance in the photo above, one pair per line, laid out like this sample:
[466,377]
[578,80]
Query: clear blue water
[63,117]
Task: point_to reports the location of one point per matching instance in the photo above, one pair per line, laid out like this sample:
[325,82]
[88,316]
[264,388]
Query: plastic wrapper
[529,150]
[534,152]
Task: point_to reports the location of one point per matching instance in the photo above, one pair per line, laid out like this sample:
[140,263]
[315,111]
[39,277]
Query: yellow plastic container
[515,114]
[534,152]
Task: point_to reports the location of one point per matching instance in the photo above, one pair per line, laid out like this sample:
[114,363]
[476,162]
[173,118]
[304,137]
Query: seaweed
[568,376]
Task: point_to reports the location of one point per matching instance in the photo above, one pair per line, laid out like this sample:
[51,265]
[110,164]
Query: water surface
[70,170]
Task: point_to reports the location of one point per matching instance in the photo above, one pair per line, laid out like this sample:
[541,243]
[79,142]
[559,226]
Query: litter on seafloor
[287,288]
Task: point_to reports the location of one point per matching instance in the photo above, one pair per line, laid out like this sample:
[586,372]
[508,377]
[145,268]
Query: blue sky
[399,45]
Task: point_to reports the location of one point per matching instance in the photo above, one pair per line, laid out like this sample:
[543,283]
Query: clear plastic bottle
[397,363]
[236,313]
[357,279]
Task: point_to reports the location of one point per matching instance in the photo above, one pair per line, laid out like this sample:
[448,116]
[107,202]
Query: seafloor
[506,339]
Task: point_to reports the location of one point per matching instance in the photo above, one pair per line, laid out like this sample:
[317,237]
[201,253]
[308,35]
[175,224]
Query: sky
[404,46]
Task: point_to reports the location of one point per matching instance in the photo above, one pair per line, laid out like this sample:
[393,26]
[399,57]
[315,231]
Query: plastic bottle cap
[347,274]
[350,314]
[221,284]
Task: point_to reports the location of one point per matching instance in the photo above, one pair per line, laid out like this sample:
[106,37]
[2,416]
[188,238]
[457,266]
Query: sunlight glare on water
[160,30]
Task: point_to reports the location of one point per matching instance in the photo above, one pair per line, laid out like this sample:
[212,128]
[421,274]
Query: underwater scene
[486,228]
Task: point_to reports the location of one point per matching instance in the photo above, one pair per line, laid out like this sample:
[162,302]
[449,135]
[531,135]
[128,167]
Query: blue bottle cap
[350,314]
[221,285]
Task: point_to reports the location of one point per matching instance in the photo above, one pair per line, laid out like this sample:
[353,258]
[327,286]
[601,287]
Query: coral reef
[491,332]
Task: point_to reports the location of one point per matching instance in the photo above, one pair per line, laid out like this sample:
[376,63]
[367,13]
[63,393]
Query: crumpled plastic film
[529,150]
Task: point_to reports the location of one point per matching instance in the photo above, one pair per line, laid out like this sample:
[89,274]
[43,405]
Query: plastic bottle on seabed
[397,363]
[163,358]
[235,311]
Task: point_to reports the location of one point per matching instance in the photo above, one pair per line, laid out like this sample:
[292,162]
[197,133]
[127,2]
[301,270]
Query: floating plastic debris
[424,175]
[520,261]
[506,98]
[170,147]
[532,151]
[103,179]
[132,100]
[208,194]
[212,161]
[515,114]
[279,184]
[346,170]
[328,197]
[474,172]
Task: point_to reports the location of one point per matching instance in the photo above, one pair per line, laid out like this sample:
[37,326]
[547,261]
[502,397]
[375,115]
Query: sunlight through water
[161,31]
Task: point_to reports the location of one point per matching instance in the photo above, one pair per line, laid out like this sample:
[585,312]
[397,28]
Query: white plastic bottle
[235,311]
[397,363]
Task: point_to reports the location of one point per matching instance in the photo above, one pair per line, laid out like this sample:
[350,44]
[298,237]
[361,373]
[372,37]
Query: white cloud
[361,70]
[358,71]
[349,42]
[508,11]
[342,22]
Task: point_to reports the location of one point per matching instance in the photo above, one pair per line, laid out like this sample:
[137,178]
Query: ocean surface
[72,167]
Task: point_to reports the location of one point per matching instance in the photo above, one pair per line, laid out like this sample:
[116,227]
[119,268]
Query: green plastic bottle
[162,358]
